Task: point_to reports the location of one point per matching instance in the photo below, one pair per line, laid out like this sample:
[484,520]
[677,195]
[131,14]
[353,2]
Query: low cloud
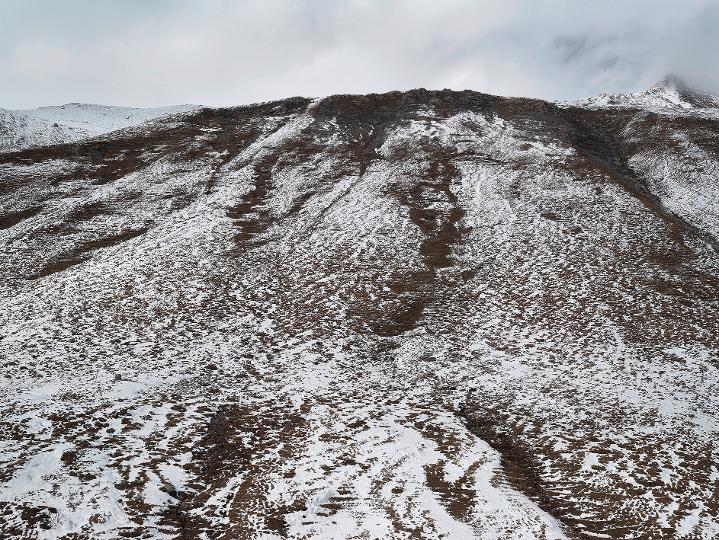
[221,52]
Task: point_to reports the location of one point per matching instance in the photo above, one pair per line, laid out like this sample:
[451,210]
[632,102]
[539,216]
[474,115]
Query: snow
[247,385]
[668,96]
[73,122]
[99,119]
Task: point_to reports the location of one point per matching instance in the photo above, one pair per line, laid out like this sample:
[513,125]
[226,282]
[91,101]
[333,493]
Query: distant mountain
[72,122]
[671,93]
[18,131]
[423,314]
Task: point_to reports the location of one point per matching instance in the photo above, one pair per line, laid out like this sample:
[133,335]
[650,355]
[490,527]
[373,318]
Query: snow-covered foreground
[412,315]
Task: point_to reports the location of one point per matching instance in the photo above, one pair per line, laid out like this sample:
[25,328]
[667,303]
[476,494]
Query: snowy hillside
[19,130]
[72,122]
[424,314]
[669,94]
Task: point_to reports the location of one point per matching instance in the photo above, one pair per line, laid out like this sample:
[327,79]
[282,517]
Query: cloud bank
[222,52]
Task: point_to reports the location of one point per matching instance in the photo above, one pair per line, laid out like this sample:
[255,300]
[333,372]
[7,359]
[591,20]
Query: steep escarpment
[418,314]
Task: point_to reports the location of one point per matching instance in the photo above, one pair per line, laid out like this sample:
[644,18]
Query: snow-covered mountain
[72,122]
[670,94]
[424,314]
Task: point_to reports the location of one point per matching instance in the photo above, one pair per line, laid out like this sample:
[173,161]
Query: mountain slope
[671,94]
[408,315]
[72,122]
[18,130]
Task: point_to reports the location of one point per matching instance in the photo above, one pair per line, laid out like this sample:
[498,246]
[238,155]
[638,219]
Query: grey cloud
[222,52]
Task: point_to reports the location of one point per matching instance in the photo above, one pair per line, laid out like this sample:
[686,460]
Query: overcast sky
[222,52]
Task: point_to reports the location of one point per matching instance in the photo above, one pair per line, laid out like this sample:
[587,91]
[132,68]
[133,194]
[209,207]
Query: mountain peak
[676,91]
[671,81]
[670,94]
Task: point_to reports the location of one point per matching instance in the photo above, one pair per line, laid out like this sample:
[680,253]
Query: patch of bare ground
[10,219]
[249,216]
[520,468]
[24,520]
[238,447]
[81,253]
[433,208]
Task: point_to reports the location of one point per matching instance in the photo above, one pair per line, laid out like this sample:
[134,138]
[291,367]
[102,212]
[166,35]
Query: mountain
[423,314]
[19,131]
[72,122]
[671,93]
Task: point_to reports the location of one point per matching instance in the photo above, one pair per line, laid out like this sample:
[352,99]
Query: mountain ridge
[671,93]
[70,122]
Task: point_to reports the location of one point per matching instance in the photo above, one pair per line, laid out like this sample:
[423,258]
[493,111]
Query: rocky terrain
[427,314]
